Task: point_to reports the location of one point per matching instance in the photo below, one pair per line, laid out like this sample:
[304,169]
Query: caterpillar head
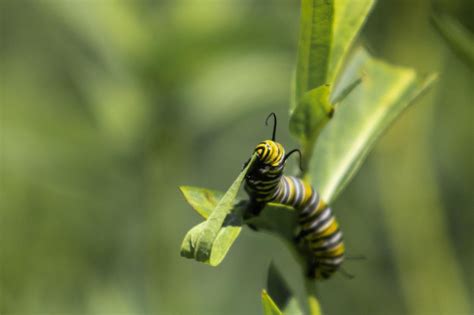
[270,153]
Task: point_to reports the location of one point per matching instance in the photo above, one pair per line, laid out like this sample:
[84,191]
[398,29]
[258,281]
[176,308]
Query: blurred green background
[108,106]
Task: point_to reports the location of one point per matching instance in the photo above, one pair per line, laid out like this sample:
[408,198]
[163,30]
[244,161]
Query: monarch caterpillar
[318,227]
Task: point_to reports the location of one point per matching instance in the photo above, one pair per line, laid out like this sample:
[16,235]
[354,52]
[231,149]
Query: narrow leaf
[269,306]
[349,17]
[368,111]
[314,45]
[327,30]
[199,241]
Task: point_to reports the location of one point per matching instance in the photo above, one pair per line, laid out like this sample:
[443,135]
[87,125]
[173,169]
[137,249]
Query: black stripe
[267,153]
[286,190]
[309,209]
[328,257]
[324,238]
[326,248]
[306,232]
[315,214]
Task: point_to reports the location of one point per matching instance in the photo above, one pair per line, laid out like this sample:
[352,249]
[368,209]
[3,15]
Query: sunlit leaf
[210,240]
[349,16]
[327,30]
[280,291]
[203,200]
[314,45]
[384,93]
[457,36]
[269,306]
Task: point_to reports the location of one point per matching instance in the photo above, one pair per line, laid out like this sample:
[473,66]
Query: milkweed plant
[342,100]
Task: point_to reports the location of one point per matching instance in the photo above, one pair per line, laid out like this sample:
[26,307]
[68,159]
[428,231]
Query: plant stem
[313,303]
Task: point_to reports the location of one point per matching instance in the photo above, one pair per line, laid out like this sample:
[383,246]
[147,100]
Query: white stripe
[333,240]
[332,261]
[325,226]
[308,207]
[297,191]
[323,216]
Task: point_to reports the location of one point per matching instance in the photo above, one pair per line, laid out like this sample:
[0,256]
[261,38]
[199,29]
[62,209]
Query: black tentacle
[274,124]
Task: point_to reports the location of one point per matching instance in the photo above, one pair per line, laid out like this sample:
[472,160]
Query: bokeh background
[108,106]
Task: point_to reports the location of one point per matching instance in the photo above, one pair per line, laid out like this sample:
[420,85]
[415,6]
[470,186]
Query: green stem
[313,303]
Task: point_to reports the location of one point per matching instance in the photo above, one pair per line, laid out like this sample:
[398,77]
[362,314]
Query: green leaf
[202,200]
[457,36]
[327,30]
[314,45]
[349,17]
[275,218]
[310,116]
[210,240]
[226,237]
[280,291]
[269,306]
[385,91]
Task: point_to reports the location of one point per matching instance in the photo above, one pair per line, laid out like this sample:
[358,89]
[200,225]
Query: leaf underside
[362,117]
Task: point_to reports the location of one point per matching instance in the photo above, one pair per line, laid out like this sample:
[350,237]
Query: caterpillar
[318,227]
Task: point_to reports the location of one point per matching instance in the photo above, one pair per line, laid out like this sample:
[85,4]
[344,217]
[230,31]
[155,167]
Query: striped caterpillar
[318,227]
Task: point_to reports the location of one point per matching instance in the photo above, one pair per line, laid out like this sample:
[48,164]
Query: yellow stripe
[330,229]
[336,251]
[270,152]
[307,193]
[292,190]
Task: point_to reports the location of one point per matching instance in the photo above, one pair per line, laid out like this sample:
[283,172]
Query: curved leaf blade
[385,91]
[200,240]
